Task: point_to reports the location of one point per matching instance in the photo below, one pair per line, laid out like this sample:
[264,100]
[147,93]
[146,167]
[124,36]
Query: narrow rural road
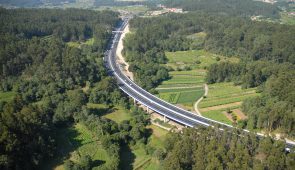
[200,99]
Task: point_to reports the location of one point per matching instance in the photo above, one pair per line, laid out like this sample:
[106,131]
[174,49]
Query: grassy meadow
[77,44]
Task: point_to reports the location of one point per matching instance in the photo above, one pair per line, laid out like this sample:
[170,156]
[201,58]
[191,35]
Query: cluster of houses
[165,10]
[269,1]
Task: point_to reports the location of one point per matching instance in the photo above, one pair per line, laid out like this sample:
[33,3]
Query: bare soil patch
[120,57]
[240,114]
[228,116]
[220,106]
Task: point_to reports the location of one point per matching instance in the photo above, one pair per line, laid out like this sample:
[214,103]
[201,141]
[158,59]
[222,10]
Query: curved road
[147,99]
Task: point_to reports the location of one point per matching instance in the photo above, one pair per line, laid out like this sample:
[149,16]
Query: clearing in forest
[73,143]
[7,96]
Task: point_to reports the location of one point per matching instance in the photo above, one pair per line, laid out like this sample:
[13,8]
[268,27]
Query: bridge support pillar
[165,120]
[134,101]
[147,109]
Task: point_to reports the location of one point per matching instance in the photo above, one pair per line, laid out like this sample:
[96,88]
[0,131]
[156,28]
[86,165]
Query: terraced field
[184,87]
[223,97]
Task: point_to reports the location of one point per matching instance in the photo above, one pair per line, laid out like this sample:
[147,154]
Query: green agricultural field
[223,96]
[170,97]
[217,115]
[190,72]
[188,80]
[226,100]
[224,93]
[186,86]
[190,96]
[182,89]
[179,89]
[196,59]
[6,96]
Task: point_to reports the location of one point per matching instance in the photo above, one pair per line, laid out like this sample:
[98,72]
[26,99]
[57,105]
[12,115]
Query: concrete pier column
[134,101]
[147,109]
[165,119]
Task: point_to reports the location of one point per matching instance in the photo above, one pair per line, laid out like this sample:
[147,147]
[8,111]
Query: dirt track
[120,57]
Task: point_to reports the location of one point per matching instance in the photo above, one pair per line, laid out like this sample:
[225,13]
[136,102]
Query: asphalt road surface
[154,103]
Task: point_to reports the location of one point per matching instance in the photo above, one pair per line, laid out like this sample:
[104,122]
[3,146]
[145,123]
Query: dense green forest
[227,7]
[61,3]
[117,3]
[266,51]
[33,3]
[52,82]
[47,76]
[212,149]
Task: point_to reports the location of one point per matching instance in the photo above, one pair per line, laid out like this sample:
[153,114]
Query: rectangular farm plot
[199,72]
[217,115]
[222,97]
[184,87]
[190,96]
[180,89]
[170,97]
[226,100]
[195,58]
[226,93]
[181,97]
